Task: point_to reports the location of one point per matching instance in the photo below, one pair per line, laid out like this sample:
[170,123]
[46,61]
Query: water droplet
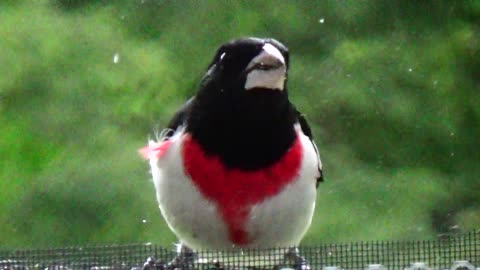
[144,221]
[452,133]
[116,58]
[321,20]
[410,69]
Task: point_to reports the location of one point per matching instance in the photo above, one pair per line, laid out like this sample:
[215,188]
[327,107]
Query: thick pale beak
[269,58]
[267,70]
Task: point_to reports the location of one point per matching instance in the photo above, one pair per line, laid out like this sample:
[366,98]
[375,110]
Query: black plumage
[248,130]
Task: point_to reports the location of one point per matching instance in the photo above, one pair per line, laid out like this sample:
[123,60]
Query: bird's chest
[235,191]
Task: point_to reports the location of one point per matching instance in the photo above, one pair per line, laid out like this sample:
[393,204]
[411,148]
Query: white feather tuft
[163,134]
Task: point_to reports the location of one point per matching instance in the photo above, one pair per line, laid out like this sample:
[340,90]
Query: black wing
[179,118]
[308,132]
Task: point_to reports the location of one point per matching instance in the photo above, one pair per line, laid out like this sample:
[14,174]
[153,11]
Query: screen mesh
[446,252]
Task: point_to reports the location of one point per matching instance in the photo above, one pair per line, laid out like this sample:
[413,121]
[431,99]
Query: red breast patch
[235,191]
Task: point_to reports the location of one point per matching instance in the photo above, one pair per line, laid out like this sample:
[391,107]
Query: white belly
[279,221]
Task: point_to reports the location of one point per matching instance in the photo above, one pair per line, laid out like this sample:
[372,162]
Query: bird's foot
[217,265]
[298,262]
[185,259]
[152,264]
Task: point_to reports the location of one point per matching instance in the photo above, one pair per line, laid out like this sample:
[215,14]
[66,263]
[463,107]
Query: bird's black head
[247,65]
[241,111]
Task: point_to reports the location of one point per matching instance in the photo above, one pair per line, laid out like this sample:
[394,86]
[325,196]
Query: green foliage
[390,88]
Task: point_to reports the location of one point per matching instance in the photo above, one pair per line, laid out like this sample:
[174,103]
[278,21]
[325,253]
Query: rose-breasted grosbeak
[237,167]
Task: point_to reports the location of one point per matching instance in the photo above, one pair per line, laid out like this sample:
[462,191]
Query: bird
[237,167]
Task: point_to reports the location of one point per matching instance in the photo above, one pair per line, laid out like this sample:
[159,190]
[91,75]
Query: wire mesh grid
[460,252]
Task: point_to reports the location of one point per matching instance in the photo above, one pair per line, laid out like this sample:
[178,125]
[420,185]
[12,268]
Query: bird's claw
[185,259]
[298,262]
[152,264]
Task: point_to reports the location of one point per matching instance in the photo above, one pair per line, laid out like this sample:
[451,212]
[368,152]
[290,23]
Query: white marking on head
[273,76]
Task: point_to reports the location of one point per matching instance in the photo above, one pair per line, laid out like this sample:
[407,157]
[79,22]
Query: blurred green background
[391,88]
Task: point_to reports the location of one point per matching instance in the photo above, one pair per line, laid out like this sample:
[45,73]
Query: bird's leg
[185,258]
[297,261]
[152,264]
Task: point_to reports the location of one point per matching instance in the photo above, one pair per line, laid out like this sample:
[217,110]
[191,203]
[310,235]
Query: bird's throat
[246,133]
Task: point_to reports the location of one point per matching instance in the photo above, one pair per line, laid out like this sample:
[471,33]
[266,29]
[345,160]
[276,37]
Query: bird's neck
[247,134]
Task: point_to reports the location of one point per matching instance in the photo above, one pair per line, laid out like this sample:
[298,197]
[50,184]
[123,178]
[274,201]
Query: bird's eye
[264,66]
[261,66]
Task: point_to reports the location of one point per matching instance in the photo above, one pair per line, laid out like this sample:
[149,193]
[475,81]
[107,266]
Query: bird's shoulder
[180,117]
[306,129]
